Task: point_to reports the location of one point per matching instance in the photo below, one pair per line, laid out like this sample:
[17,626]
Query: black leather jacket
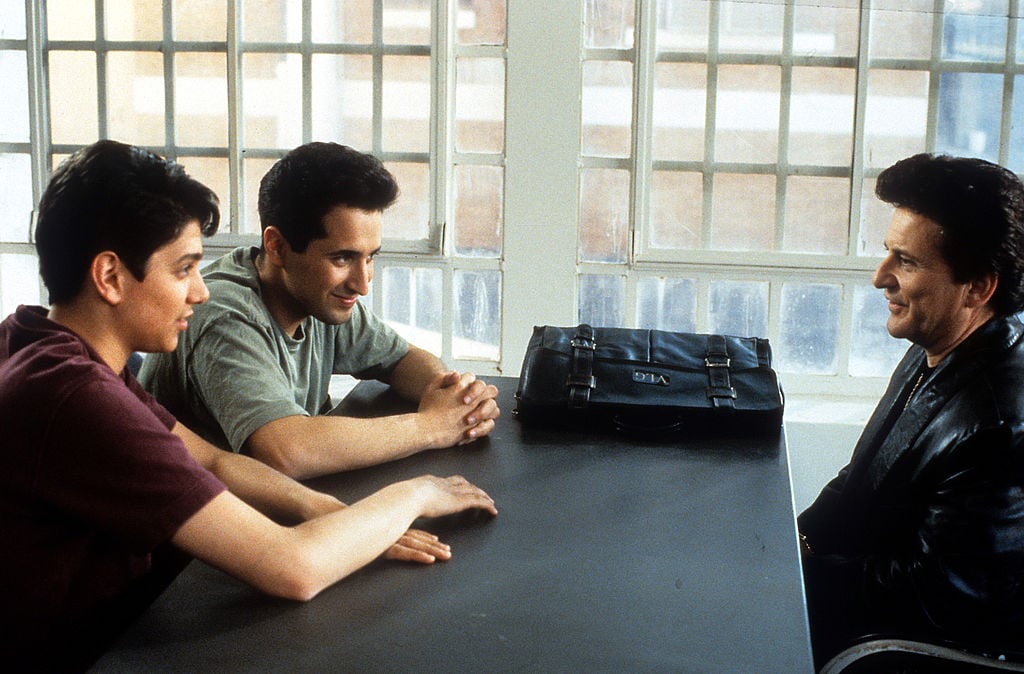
[925,526]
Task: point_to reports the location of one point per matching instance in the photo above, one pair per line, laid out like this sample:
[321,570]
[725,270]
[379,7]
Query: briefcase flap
[687,379]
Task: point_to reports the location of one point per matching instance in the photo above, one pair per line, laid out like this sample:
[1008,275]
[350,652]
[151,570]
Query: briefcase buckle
[583,343]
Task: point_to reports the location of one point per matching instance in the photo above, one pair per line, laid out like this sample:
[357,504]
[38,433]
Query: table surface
[608,554]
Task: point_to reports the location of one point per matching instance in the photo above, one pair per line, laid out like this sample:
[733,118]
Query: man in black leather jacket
[921,535]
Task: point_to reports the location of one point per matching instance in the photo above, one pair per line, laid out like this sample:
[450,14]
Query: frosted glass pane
[200,20]
[201,99]
[478,210]
[817,215]
[272,95]
[477,328]
[342,20]
[342,108]
[408,217]
[604,215]
[738,308]
[406,104]
[74,116]
[133,19]
[970,106]
[481,22]
[607,108]
[412,304]
[893,20]
[14,103]
[677,212]
[407,21]
[135,97]
[16,197]
[809,328]
[896,115]
[608,23]
[19,282]
[821,116]
[602,300]
[680,94]
[747,117]
[480,105]
[743,212]
[751,27]
[666,304]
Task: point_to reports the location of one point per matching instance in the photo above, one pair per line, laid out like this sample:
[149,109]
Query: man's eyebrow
[350,253]
[190,257]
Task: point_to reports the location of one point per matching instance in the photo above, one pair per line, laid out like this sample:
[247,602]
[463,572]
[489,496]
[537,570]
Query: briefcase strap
[720,391]
[581,379]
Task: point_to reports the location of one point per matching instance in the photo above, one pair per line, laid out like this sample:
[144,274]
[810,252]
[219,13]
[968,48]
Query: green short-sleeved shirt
[235,370]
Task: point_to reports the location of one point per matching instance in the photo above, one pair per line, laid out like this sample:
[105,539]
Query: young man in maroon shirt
[98,481]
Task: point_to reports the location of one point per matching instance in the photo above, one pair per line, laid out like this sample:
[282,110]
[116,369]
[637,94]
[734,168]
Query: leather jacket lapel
[937,390]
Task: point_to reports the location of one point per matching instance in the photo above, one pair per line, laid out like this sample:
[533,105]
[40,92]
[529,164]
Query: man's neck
[276,298]
[935,355]
[91,324]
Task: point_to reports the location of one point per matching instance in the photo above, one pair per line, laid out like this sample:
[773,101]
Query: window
[675,164]
[729,151]
[226,88]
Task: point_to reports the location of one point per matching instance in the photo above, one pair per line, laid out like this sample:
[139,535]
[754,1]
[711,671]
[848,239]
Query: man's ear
[107,275]
[980,290]
[275,247]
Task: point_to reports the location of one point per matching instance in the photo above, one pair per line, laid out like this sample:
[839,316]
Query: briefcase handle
[581,380]
[720,390]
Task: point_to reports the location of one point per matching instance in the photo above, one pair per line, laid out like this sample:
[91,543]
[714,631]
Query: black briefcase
[649,381]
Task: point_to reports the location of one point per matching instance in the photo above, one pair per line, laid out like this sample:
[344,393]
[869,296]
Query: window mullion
[1009,82]
[170,122]
[645,56]
[442,63]
[859,115]
[934,75]
[38,106]
[377,50]
[307,70]
[102,52]
[235,114]
[710,121]
[785,101]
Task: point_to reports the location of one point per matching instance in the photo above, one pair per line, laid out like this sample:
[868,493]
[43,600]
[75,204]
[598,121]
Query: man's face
[158,307]
[328,278]
[926,305]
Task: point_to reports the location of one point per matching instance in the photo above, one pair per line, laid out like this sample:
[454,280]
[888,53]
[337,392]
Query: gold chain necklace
[920,378]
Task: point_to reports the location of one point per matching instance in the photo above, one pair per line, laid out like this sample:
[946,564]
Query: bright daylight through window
[726,149]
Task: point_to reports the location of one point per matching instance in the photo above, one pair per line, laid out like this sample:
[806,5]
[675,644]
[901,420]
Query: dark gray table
[608,554]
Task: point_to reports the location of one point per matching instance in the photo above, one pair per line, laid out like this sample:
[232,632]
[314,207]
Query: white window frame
[539,263]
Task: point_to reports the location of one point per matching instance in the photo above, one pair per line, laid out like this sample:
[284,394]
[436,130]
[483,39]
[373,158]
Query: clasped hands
[462,407]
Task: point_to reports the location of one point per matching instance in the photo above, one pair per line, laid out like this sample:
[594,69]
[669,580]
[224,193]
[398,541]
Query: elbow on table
[285,455]
[294,576]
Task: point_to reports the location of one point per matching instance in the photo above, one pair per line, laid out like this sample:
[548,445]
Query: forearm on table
[414,372]
[298,562]
[256,483]
[302,447]
[271,492]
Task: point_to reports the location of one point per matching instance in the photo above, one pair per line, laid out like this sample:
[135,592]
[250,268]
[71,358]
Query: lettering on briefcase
[654,378]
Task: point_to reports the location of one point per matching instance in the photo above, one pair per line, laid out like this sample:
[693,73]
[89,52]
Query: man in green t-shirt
[253,370]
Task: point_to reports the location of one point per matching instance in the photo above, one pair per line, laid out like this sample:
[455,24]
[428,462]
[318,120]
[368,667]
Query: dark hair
[980,208]
[304,185]
[116,197]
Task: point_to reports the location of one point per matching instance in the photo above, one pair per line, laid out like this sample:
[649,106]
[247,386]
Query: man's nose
[361,276]
[200,293]
[883,277]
